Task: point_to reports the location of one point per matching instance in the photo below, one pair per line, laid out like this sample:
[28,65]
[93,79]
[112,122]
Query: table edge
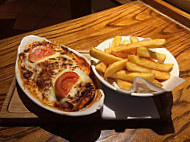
[172,11]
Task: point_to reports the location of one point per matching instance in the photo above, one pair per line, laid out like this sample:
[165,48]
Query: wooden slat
[170,10]
[135,19]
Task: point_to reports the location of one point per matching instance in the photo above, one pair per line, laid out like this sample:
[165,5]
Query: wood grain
[170,10]
[86,32]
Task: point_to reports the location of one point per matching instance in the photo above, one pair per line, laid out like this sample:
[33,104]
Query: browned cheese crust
[38,77]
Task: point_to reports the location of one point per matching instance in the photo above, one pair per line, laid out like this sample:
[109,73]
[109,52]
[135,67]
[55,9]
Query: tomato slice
[65,82]
[40,52]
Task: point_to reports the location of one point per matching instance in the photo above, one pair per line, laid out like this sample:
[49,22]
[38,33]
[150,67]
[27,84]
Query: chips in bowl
[119,60]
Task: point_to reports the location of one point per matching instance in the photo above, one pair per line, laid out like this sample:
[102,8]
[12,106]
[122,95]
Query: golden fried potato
[158,56]
[116,66]
[125,85]
[101,67]
[125,49]
[128,76]
[149,64]
[104,57]
[107,50]
[144,52]
[116,41]
[122,54]
[158,74]
[125,42]
[134,39]
[156,82]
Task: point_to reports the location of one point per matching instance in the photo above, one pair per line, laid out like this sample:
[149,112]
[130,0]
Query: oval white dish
[86,111]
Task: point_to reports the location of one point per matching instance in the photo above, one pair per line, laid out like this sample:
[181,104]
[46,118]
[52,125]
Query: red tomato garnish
[65,82]
[40,52]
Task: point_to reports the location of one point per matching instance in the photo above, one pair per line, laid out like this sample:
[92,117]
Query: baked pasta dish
[56,76]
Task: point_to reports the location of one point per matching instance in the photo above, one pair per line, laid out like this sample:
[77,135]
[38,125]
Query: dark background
[19,16]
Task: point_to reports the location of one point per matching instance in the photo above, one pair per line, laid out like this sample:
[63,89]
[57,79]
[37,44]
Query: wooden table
[135,19]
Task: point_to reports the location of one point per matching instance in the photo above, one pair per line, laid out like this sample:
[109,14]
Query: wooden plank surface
[170,10]
[86,32]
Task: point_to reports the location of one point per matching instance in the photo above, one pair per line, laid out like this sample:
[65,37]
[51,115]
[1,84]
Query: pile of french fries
[125,60]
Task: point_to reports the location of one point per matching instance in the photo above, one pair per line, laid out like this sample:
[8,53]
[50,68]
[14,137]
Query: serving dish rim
[85,111]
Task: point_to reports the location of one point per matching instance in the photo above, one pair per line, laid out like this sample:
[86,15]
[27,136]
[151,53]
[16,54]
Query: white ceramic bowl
[169,59]
[86,111]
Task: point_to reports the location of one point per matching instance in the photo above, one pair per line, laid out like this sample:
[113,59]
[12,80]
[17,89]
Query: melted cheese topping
[40,78]
[83,78]
[46,58]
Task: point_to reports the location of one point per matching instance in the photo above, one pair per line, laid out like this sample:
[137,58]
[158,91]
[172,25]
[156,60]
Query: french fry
[134,39]
[123,84]
[116,66]
[150,64]
[107,50]
[155,43]
[158,56]
[101,67]
[157,83]
[144,52]
[158,74]
[125,42]
[122,54]
[132,51]
[104,57]
[116,41]
[124,75]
